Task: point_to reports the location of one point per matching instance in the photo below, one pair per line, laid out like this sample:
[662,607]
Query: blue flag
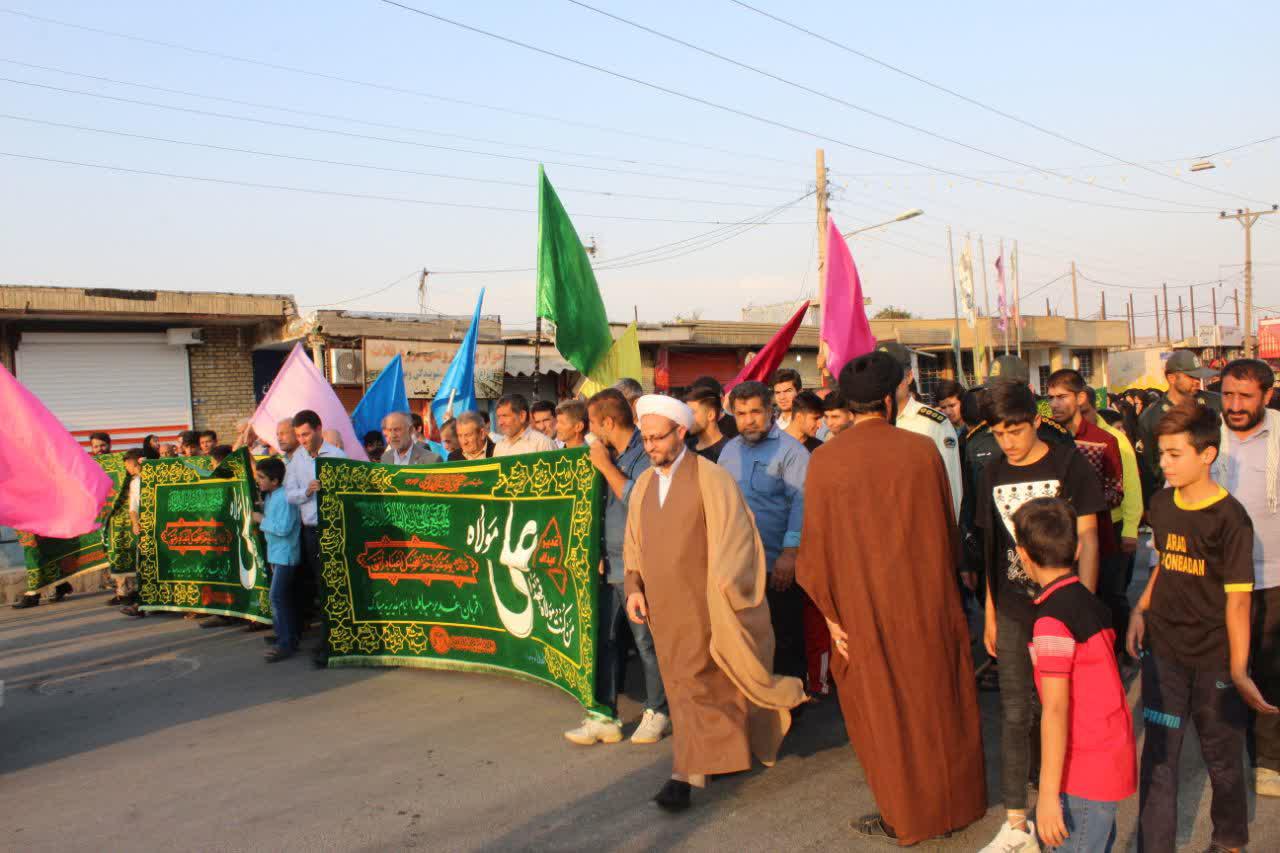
[385,395]
[460,380]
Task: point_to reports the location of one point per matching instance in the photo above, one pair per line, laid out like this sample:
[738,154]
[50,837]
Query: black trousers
[1172,697]
[307,594]
[1114,574]
[786,613]
[1264,729]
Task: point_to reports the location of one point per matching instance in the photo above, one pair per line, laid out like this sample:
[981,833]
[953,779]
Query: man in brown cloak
[696,571]
[878,558]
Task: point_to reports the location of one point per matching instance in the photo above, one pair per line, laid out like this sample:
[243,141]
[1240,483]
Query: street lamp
[901,217]
[1203,165]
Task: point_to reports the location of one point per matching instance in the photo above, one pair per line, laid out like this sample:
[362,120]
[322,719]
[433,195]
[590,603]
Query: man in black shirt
[705,438]
[1029,468]
[806,419]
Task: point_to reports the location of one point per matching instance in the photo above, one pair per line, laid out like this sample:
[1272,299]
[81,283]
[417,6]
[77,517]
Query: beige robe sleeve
[633,580]
[742,641]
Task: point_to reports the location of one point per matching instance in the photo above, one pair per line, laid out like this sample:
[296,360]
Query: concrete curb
[13,583]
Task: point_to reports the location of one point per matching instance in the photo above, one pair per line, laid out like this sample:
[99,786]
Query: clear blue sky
[1154,84]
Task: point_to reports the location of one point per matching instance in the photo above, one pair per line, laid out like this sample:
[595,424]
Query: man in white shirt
[518,436]
[300,488]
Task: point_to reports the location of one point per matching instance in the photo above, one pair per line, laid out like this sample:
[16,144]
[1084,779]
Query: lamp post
[901,217]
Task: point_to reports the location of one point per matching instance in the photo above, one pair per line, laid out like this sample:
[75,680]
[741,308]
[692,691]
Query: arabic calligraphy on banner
[482,566]
[426,362]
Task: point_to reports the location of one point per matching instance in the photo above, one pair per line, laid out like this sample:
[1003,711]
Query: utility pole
[1155,297]
[820,166]
[1182,326]
[1168,331]
[1194,330]
[1075,301]
[955,312]
[1235,297]
[1129,320]
[1215,308]
[1104,305]
[1017,298]
[422,291]
[1247,218]
[1048,312]
[1004,292]
[1133,331]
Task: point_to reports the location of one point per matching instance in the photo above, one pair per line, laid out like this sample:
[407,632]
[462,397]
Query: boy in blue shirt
[281,525]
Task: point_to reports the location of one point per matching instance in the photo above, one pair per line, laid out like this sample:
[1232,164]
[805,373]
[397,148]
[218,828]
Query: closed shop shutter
[126,384]
[688,365]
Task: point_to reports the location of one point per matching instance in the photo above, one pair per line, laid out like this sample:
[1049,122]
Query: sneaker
[593,731]
[61,591]
[1266,782]
[1012,840]
[27,601]
[654,726]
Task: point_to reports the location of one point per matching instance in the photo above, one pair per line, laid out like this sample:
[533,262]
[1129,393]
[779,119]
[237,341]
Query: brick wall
[222,380]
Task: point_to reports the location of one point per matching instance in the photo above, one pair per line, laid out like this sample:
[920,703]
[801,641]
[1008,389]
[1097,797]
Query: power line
[340,194]
[366,122]
[756,117]
[370,166]
[862,109]
[1011,117]
[630,134]
[1245,145]
[380,290]
[370,137]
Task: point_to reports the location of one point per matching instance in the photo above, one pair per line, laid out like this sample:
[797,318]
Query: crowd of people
[767,548]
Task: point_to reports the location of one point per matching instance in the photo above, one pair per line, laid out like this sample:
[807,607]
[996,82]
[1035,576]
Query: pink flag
[1001,302]
[48,485]
[845,328]
[300,385]
[760,368]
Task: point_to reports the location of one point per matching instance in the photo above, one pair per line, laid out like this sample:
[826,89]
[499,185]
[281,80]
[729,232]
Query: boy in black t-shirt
[1197,649]
[1030,469]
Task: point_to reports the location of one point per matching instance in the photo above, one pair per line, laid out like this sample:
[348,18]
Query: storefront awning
[520,359]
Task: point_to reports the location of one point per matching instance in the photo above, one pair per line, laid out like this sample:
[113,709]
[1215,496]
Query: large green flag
[200,550]
[484,566]
[567,291]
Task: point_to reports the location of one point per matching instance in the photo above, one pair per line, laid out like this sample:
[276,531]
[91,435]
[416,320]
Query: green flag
[567,291]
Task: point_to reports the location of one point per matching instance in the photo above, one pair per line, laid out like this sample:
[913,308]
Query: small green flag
[567,291]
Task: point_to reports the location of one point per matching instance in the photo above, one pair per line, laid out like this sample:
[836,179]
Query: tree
[891,313]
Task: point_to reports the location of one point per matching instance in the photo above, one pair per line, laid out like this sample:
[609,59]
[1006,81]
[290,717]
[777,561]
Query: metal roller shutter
[688,365]
[125,384]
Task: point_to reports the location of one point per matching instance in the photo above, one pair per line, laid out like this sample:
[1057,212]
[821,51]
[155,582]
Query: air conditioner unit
[346,366]
[184,337]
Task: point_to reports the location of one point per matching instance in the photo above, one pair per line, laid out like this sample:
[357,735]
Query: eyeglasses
[654,439]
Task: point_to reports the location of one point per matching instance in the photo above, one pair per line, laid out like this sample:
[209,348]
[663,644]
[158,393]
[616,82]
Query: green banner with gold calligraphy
[200,550]
[51,561]
[485,566]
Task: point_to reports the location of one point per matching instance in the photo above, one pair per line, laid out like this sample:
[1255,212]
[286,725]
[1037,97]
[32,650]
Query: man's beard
[1254,418]
[663,459]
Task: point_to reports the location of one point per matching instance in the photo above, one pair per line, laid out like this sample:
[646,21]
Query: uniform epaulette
[932,414]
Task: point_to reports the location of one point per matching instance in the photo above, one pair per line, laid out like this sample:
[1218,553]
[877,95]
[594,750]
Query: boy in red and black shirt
[1197,649]
[1087,748]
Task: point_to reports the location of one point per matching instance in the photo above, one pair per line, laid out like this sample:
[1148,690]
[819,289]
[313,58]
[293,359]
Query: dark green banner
[200,550]
[486,566]
[52,561]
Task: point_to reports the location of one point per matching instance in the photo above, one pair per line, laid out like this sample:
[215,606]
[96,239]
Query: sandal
[873,826]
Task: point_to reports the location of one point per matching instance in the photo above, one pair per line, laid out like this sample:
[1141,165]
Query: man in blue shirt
[770,467]
[619,455]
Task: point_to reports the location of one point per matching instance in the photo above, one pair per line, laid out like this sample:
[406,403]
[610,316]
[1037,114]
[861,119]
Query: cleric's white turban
[669,407]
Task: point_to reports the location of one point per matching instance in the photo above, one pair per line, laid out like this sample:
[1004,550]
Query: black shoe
[276,655]
[320,661]
[116,600]
[254,627]
[27,601]
[270,639]
[674,796]
[61,591]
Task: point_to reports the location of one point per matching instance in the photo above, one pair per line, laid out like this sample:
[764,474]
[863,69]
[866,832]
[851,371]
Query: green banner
[200,550]
[484,566]
[52,561]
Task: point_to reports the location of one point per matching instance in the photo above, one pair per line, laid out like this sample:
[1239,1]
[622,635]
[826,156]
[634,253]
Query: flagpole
[1004,312]
[955,310]
[986,307]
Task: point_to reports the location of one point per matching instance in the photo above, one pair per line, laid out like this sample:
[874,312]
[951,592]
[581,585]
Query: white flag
[965,276]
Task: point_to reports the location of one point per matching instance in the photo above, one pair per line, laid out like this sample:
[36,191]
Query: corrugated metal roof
[97,303]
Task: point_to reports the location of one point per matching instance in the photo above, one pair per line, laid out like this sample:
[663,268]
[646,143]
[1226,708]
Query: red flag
[760,368]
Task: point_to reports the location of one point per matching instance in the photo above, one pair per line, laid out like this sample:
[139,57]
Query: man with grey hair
[473,438]
[630,389]
[397,429]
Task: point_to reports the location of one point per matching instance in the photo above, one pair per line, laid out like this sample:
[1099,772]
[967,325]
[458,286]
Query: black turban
[870,378]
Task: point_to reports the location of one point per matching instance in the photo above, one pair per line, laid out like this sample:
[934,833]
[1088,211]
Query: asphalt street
[126,735]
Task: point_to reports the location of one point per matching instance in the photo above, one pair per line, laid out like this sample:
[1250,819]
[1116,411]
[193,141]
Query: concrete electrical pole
[1247,218]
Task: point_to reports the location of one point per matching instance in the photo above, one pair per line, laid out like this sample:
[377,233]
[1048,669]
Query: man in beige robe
[696,573]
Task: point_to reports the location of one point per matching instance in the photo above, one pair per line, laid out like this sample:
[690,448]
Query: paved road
[157,735]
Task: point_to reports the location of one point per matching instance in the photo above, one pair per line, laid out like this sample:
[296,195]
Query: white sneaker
[593,731]
[1266,782]
[1012,840]
[654,726]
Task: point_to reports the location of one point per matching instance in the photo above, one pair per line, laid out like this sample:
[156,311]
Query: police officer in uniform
[1183,371]
[927,421]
